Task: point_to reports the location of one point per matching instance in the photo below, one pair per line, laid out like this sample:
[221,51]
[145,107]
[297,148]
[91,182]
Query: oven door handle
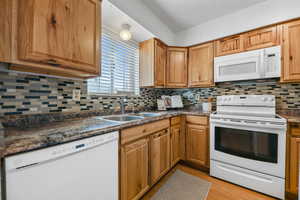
[243,123]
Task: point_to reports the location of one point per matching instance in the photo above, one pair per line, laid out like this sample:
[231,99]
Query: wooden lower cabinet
[134,169]
[149,151]
[197,144]
[159,155]
[175,144]
[294,165]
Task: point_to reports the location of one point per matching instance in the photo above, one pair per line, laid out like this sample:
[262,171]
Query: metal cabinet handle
[52,62]
[159,133]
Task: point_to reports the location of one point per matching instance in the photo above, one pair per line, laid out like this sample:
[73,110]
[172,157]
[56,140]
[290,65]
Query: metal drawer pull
[52,62]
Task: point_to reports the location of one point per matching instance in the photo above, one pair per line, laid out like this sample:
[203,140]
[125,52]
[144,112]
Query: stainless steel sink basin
[149,114]
[123,118]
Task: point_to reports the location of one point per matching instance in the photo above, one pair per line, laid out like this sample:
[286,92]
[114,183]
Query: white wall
[144,16]
[113,18]
[268,12]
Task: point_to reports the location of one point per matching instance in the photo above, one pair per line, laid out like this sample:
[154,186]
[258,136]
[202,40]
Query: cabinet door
[159,155]
[160,63]
[147,63]
[134,170]
[176,67]
[262,38]
[294,164]
[175,144]
[197,144]
[60,33]
[291,52]
[201,65]
[229,45]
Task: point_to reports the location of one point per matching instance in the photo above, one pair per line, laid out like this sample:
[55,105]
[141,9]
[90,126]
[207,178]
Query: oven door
[255,147]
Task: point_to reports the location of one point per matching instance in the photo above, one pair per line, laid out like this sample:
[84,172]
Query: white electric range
[247,141]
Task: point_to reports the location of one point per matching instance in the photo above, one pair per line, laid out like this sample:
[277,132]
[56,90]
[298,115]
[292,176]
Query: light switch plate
[197,97]
[76,95]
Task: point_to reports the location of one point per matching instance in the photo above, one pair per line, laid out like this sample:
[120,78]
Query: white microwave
[257,64]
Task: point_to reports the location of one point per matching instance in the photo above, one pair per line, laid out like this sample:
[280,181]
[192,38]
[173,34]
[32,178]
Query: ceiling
[183,14]
[113,18]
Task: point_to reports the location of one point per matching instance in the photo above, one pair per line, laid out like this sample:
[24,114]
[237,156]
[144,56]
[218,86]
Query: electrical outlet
[197,97]
[76,95]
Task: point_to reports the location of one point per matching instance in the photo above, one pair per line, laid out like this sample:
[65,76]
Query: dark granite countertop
[24,139]
[292,116]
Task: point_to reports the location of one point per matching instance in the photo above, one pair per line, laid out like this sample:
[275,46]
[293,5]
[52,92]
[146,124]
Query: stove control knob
[265,99]
[271,99]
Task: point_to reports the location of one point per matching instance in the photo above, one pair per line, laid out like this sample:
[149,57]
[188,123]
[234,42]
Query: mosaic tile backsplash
[31,94]
[287,95]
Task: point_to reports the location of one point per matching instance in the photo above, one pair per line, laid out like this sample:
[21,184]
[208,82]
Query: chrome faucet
[122,105]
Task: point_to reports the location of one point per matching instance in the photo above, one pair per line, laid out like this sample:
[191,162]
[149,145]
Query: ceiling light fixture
[125,34]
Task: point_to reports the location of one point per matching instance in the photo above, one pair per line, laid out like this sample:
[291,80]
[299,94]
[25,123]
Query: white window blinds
[120,67]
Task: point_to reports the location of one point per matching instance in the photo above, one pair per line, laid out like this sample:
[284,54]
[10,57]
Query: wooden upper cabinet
[176,72]
[159,155]
[257,39]
[262,38]
[201,64]
[197,149]
[291,52]
[153,60]
[160,58]
[229,45]
[54,36]
[147,63]
[60,32]
[134,169]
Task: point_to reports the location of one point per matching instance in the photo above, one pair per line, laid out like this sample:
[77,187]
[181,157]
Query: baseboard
[194,166]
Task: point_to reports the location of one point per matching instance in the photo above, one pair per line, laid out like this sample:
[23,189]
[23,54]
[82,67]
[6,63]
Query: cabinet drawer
[133,133]
[197,120]
[175,120]
[295,129]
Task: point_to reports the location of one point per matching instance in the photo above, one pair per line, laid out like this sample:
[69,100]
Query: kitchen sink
[149,114]
[123,118]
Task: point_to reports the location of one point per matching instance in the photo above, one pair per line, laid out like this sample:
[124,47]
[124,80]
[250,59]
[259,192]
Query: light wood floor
[220,190]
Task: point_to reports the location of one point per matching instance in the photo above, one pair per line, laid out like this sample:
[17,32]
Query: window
[120,67]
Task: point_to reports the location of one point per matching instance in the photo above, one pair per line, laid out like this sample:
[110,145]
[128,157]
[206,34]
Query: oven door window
[248,144]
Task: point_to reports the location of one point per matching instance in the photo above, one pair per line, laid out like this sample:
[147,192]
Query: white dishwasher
[86,169]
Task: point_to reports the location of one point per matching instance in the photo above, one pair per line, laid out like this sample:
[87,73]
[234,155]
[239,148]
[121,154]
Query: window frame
[133,43]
